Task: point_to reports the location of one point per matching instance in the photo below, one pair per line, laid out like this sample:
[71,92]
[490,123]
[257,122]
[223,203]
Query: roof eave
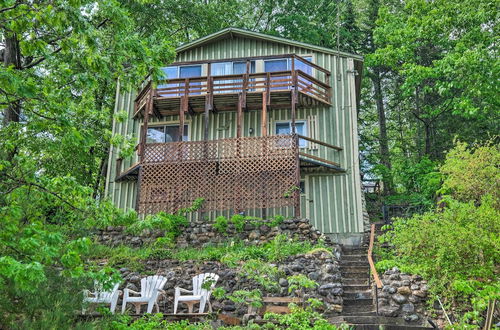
[235,31]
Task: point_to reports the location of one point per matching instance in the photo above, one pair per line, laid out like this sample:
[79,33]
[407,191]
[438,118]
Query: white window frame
[289,122]
[164,124]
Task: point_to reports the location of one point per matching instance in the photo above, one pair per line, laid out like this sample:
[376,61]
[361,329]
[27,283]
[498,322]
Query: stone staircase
[359,303]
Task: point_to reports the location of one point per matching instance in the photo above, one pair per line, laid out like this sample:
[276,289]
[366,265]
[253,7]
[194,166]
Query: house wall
[331,201]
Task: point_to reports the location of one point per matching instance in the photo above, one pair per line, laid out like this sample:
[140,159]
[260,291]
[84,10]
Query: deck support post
[208,101]
[183,109]
[144,132]
[294,100]
[263,120]
[296,193]
[239,116]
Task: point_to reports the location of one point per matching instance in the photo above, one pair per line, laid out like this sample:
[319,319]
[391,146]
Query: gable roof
[230,32]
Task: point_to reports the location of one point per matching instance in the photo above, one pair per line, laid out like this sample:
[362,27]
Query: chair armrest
[179,289]
[88,294]
[126,291]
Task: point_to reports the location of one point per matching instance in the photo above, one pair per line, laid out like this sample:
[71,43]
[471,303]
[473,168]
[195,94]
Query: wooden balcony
[224,93]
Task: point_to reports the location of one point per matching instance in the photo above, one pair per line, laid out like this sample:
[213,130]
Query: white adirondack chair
[198,294]
[101,297]
[151,287]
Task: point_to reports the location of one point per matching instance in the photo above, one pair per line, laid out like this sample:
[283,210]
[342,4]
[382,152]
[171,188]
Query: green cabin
[252,123]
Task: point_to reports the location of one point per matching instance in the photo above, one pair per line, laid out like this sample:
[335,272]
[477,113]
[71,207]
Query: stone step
[355,280]
[357,295]
[365,275]
[354,257]
[356,287]
[375,322]
[351,263]
[359,313]
[354,251]
[358,310]
[359,302]
[368,319]
[355,269]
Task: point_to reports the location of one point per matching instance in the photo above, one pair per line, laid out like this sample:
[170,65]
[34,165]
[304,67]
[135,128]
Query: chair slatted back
[104,295]
[198,281]
[150,285]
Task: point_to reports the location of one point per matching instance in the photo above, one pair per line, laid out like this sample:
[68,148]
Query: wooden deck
[223,92]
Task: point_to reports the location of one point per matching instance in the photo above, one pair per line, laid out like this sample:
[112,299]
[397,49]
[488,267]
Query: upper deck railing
[252,82]
[315,85]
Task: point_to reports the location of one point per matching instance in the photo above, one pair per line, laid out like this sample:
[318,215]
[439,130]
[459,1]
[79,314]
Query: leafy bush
[238,221]
[471,173]
[148,322]
[300,282]
[458,245]
[261,272]
[220,224]
[301,319]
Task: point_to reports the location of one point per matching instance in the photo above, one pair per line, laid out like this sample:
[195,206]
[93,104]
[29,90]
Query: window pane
[300,128]
[190,71]
[275,65]
[299,65]
[283,128]
[155,135]
[170,72]
[241,67]
[172,133]
[222,68]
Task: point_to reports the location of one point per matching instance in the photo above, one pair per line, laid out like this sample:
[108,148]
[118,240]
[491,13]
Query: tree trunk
[382,122]
[12,57]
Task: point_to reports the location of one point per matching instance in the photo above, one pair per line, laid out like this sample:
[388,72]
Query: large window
[285,64]
[174,72]
[165,133]
[285,128]
[226,68]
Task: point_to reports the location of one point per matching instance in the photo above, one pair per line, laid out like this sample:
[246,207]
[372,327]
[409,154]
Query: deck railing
[238,83]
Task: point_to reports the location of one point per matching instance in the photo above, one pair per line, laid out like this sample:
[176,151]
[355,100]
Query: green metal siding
[332,201]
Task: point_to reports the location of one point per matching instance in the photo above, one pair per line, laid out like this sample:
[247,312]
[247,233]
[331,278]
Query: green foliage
[289,193]
[301,319]
[458,245]
[277,220]
[265,274]
[148,322]
[220,224]
[171,224]
[238,221]
[471,173]
[300,282]
[244,297]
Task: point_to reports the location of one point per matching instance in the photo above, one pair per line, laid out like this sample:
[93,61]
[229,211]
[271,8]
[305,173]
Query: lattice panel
[238,174]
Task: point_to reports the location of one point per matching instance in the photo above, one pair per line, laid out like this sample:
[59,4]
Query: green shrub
[301,319]
[458,246]
[220,224]
[470,173]
[238,221]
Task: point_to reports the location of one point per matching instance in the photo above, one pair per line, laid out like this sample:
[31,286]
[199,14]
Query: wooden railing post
[296,196]
[144,132]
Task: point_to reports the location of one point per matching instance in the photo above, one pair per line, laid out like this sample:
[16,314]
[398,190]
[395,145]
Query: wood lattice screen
[238,174]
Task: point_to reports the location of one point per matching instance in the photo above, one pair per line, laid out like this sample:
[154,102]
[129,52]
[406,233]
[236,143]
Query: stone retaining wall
[402,295]
[321,266]
[203,233]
